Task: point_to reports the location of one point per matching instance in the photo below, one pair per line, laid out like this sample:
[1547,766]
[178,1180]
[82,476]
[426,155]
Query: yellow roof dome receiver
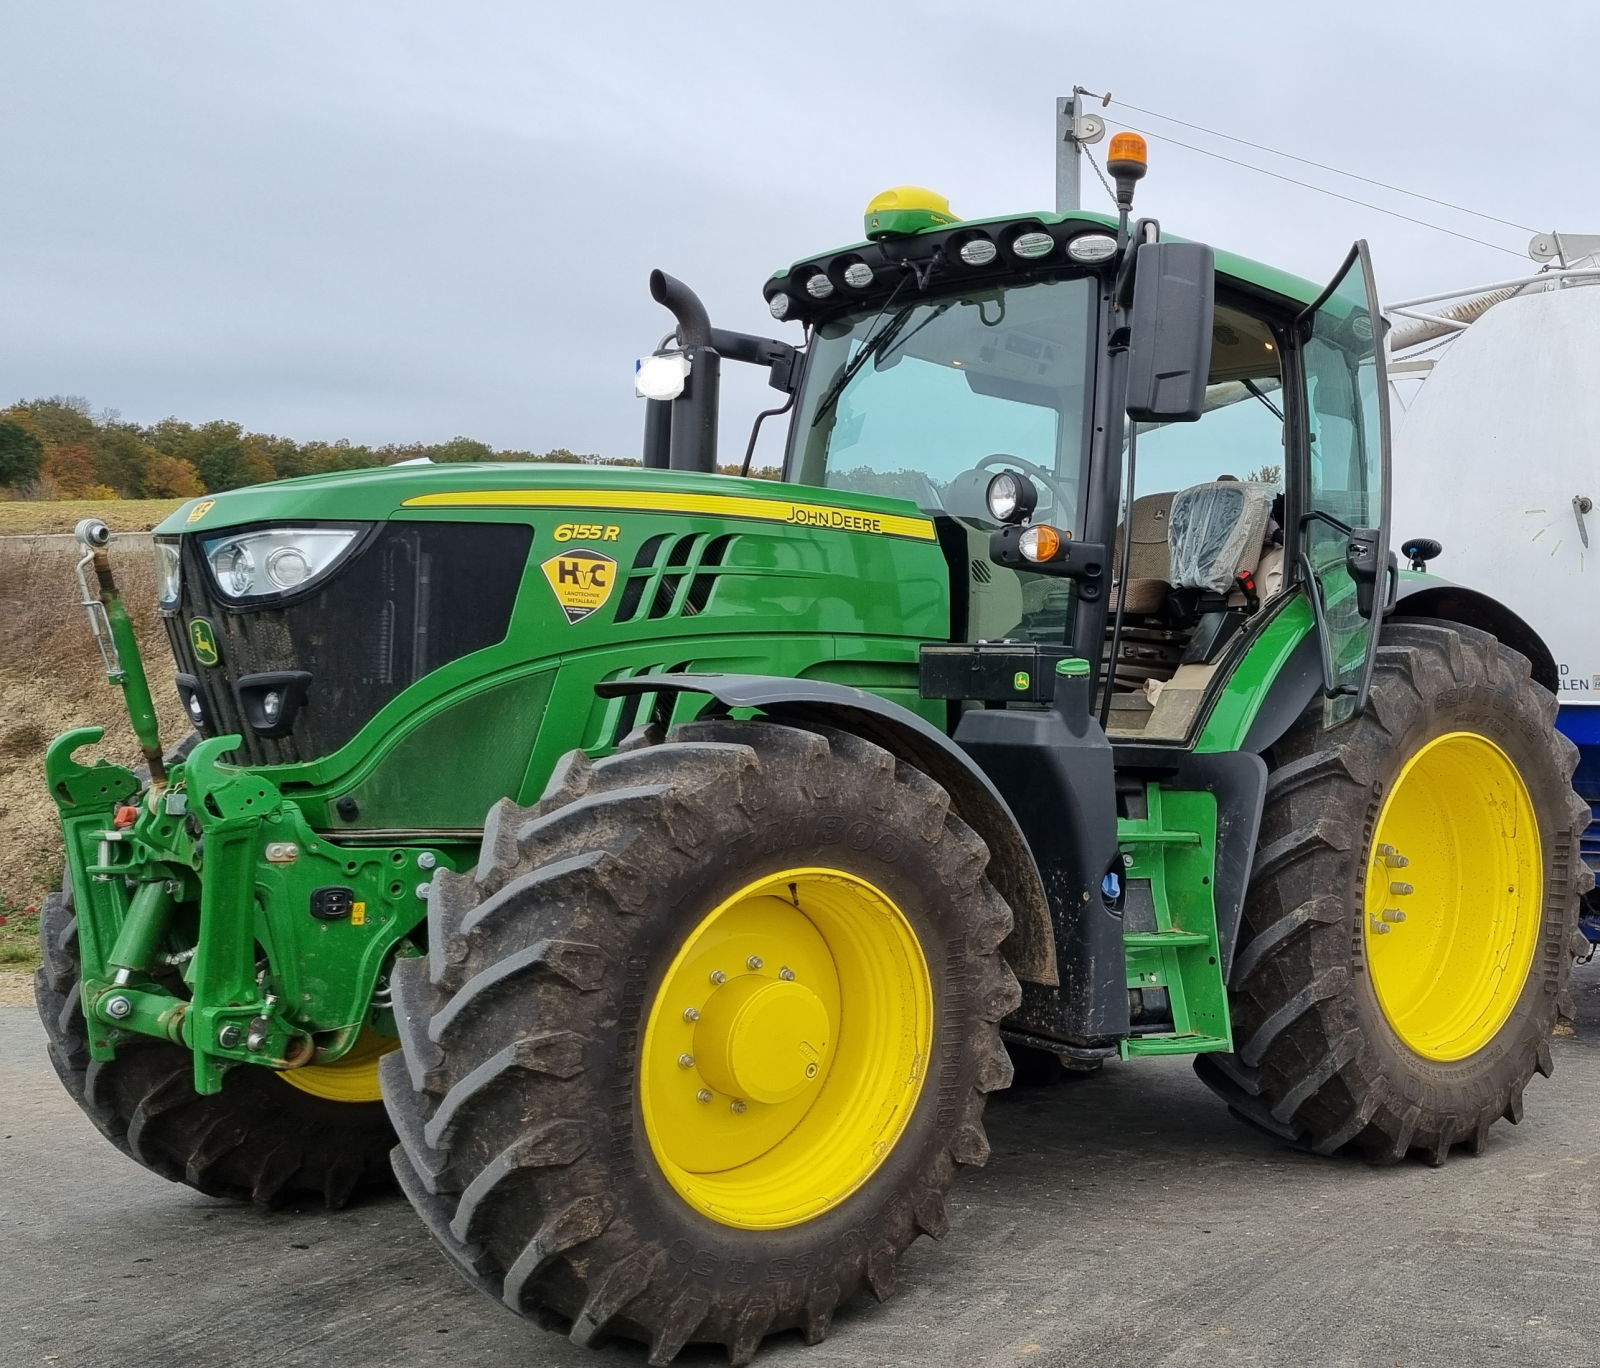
[907,209]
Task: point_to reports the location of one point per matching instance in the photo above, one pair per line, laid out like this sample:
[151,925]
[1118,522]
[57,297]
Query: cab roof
[920,246]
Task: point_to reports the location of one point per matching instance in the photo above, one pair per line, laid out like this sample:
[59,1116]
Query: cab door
[1343,532]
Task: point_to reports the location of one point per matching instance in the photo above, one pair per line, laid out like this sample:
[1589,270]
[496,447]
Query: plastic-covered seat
[1214,531]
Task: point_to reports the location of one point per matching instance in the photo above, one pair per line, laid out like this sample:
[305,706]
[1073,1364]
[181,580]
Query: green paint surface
[1174,848]
[1246,689]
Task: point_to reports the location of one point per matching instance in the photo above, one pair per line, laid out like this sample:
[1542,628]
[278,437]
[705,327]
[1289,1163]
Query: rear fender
[1030,949]
[1424,596]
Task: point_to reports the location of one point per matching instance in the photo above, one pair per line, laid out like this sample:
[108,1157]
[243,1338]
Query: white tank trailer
[1497,458]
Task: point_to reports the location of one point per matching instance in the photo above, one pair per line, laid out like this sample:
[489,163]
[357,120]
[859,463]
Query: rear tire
[257,1140]
[527,1141]
[1321,1061]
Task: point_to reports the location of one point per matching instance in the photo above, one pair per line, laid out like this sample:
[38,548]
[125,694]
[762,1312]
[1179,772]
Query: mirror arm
[1145,230]
[755,430]
[779,357]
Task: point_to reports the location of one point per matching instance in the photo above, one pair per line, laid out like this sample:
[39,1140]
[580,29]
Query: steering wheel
[1063,498]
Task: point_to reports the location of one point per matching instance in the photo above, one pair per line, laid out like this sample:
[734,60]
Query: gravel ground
[1124,1219]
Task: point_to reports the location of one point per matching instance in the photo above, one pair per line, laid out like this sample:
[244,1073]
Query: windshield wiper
[869,349]
[1259,394]
[888,340]
[894,344]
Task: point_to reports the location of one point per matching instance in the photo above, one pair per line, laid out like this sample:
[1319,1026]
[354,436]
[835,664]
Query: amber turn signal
[1039,543]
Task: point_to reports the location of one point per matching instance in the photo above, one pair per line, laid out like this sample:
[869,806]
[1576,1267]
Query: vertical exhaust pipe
[693,426]
[657,434]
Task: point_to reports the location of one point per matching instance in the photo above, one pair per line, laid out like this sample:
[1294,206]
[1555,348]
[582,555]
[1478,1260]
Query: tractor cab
[1002,379]
[1233,415]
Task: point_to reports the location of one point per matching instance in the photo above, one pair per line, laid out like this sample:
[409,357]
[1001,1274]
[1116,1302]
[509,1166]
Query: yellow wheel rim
[786,1048]
[351,1079]
[1455,884]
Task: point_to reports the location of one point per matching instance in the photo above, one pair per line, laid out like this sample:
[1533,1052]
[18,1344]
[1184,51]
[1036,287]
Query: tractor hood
[473,487]
[358,629]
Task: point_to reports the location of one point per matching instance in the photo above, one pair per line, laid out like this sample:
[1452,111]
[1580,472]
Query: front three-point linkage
[152,964]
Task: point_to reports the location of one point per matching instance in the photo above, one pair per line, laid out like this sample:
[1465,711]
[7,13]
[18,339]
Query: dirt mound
[51,680]
[25,517]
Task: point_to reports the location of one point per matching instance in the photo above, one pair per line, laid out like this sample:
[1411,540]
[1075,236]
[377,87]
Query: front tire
[1408,928]
[258,1140]
[701,1044]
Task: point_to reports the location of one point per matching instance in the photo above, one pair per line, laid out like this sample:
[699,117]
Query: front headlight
[274,561]
[169,581]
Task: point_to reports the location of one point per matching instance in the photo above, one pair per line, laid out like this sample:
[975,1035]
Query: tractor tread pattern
[508,1156]
[258,1140]
[1317,1067]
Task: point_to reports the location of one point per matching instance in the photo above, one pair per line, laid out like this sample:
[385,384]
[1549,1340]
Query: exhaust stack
[692,443]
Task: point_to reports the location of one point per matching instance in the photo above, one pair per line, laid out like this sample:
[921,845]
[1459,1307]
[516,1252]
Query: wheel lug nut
[718,977]
[1393,914]
[691,1014]
[1378,926]
[786,974]
[686,1061]
[737,1106]
[1401,889]
[704,1095]
[754,962]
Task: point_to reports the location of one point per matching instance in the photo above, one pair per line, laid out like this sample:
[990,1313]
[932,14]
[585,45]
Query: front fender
[1030,949]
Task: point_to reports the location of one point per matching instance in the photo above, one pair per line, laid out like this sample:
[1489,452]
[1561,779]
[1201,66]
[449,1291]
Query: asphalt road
[1124,1219]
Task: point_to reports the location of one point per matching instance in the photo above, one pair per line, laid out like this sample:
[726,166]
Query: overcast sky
[402,221]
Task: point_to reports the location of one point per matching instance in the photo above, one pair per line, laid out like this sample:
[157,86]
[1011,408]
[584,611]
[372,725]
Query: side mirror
[1169,344]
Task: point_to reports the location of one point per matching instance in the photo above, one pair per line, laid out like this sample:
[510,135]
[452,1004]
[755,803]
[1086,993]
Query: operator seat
[1188,546]
[1149,560]
[1214,531]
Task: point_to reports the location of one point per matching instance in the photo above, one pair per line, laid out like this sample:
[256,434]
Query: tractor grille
[418,596]
[677,583]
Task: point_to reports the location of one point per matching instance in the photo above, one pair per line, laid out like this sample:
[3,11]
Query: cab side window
[1206,546]
[1240,436]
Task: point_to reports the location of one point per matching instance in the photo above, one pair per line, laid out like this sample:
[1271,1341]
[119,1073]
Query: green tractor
[1063,703]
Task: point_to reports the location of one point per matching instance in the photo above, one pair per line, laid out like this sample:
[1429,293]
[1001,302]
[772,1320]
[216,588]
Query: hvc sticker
[582,580]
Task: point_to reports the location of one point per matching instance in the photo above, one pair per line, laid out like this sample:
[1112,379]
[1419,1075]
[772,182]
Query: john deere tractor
[655,870]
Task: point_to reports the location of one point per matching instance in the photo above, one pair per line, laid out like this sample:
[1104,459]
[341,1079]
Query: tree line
[59,448]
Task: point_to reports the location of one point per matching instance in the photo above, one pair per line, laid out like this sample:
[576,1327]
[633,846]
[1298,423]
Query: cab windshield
[926,400]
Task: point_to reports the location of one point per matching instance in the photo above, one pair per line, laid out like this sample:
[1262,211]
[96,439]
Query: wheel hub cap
[1453,897]
[762,1039]
[786,1047]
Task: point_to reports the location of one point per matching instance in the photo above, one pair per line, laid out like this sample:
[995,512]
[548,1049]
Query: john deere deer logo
[582,579]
